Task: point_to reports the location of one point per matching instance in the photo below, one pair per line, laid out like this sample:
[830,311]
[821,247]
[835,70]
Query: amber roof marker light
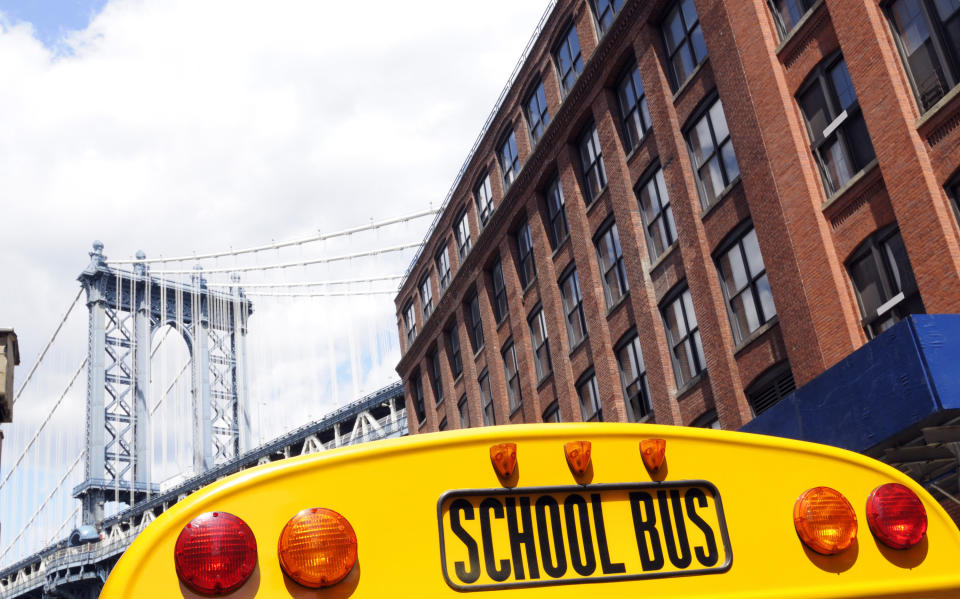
[578,456]
[653,452]
[317,548]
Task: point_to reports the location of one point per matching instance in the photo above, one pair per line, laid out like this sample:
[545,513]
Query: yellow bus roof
[415,504]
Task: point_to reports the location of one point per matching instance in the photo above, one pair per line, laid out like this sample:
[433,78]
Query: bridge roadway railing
[382,413]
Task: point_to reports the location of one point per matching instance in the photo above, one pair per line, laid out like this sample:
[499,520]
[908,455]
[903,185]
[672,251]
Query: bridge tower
[125,308]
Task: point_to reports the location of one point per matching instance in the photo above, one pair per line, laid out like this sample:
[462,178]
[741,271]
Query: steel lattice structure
[125,309]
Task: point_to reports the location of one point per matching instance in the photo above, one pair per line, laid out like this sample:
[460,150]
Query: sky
[189,126]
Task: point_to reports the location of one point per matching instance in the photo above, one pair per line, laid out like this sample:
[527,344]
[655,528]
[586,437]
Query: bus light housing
[504,459]
[578,456]
[653,451]
[825,520]
[317,548]
[215,553]
[896,516]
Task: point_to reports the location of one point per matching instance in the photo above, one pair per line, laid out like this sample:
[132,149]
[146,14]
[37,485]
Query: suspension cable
[335,294]
[56,533]
[156,406]
[309,284]
[43,424]
[43,505]
[275,246]
[397,248]
[49,343]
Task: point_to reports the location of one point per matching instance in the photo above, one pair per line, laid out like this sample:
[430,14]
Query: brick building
[682,209]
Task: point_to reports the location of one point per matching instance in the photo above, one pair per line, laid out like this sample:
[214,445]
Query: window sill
[437,405]
[457,378]
[760,332]
[688,82]
[516,409]
[938,113]
[618,304]
[546,379]
[720,198]
[529,286]
[636,149]
[560,246]
[505,318]
[794,34]
[853,182]
[580,345]
[477,353]
[596,200]
[690,385]
[663,257]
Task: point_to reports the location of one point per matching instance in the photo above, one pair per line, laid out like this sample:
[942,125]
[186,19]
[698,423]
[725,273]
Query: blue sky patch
[52,19]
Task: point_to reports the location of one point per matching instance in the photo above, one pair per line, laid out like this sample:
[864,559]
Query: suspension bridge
[196,367]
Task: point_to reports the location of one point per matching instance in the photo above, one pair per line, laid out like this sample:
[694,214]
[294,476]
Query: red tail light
[215,553]
[896,516]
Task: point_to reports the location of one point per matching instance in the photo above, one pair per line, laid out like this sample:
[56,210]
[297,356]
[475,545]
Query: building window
[461,231]
[418,405]
[426,296]
[476,326]
[557,211]
[509,160]
[512,374]
[928,34]
[685,46]
[953,190]
[589,398]
[436,379]
[633,107]
[787,13]
[538,115]
[464,410]
[770,387]
[486,399]
[552,413]
[745,285]
[633,377]
[573,308]
[453,347]
[443,424]
[410,322]
[708,420]
[484,200]
[569,63]
[591,161]
[683,335]
[605,11]
[658,224]
[528,269]
[713,155]
[442,260]
[610,256]
[541,344]
[838,134]
[882,276]
[500,308]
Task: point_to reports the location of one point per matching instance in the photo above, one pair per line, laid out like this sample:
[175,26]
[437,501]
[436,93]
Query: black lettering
[456,508]
[543,504]
[646,527]
[679,549]
[711,555]
[525,538]
[486,506]
[588,563]
[605,565]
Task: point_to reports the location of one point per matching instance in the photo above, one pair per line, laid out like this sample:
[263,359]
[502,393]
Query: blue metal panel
[902,377]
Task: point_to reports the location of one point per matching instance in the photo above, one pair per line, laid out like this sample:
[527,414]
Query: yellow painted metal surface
[402,497]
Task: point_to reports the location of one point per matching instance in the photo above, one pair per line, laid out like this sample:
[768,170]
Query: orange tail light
[825,520]
[317,548]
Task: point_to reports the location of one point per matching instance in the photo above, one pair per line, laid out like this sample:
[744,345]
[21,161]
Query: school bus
[554,510]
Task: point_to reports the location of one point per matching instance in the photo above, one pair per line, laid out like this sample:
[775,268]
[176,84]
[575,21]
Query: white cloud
[179,126]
